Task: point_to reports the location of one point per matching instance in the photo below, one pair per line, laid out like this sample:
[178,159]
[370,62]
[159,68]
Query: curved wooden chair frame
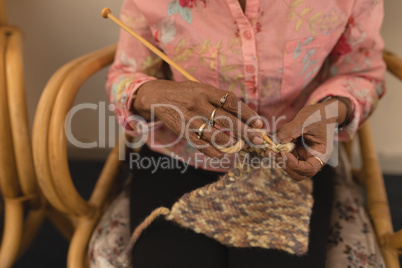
[370,176]
[50,157]
[50,152]
[20,192]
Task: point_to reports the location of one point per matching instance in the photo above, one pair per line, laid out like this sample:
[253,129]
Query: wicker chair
[50,156]
[20,194]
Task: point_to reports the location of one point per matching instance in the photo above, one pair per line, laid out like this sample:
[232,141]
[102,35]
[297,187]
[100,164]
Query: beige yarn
[288,147]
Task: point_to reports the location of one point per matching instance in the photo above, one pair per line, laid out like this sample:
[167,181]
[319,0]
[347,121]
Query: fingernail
[257,141]
[258,123]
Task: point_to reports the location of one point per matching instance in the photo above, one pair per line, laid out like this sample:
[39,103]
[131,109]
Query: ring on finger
[201,129]
[321,162]
[223,99]
[212,118]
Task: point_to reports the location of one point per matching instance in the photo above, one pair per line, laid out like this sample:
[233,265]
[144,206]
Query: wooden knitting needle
[107,13]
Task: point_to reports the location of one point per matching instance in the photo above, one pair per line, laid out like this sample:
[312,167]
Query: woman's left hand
[312,131]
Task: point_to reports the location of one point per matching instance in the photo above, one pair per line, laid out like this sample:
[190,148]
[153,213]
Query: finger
[211,134]
[204,146]
[280,160]
[296,176]
[293,174]
[302,168]
[236,127]
[231,123]
[219,138]
[288,132]
[236,107]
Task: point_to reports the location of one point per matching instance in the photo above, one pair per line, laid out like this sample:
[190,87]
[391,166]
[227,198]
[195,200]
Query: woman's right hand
[192,102]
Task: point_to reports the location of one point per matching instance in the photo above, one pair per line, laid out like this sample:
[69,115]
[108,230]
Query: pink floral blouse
[277,57]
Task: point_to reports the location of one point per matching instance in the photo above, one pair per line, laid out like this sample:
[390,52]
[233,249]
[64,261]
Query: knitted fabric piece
[261,207]
[246,207]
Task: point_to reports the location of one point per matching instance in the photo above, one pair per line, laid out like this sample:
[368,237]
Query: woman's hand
[184,107]
[312,130]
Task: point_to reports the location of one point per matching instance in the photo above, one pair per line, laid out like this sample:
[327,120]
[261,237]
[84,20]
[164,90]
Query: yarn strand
[268,144]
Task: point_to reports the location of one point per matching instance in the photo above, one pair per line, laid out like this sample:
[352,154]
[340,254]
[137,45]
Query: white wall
[58,31]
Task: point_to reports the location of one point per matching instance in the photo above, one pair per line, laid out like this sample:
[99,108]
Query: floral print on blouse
[277,56]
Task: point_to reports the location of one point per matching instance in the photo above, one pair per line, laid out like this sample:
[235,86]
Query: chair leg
[77,252]
[377,201]
[32,225]
[12,232]
[394,241]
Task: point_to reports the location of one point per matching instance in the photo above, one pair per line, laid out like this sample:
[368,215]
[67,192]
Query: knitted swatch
[247,207]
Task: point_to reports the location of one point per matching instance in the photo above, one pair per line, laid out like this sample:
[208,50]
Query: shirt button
[247,34]
[250,68]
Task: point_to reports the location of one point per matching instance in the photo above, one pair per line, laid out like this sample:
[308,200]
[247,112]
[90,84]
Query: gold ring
[200,130]
[212,118]
[223,99]
[322,163]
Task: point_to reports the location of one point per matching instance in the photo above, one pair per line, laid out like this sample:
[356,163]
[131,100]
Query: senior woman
[304,71]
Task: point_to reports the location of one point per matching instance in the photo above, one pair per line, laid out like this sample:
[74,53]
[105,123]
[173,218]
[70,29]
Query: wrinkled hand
[184,107]
[312,131]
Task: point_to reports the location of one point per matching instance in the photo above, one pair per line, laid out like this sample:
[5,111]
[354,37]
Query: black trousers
[166,244]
